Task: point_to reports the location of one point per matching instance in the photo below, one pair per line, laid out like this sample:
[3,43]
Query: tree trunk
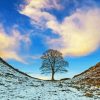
[52,75]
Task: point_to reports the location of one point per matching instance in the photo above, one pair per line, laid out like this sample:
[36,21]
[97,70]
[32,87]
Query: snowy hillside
[90,76]
[16,85]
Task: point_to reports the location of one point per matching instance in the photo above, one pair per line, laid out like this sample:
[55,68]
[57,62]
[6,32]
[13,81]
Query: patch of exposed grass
[89,94]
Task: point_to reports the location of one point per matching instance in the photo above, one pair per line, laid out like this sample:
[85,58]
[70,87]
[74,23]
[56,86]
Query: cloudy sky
[29,27]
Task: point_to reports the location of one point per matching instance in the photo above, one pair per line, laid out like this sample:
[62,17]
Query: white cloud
[79,33]
[35,10]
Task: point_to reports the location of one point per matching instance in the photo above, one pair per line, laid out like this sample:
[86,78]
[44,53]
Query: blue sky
[29,27]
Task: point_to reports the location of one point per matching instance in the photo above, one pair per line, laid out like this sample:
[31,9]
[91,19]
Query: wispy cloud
[36,57]
[11,44]
[40,76]
[35,10]
[33,57]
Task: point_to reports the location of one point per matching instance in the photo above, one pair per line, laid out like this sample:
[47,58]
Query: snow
[16,86]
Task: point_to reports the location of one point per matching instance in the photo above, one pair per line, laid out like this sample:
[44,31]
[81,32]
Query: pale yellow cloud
[11,44]
[11,55]
[79,33]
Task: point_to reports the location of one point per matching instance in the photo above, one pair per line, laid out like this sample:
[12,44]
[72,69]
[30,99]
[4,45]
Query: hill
[8,71]
[90,76]
[16,85]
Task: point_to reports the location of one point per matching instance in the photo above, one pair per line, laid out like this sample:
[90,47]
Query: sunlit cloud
[10,44]
[79,33]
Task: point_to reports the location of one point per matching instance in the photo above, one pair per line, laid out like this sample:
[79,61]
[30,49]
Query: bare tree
[53,62]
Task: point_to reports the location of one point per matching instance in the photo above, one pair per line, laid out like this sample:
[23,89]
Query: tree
[53,62]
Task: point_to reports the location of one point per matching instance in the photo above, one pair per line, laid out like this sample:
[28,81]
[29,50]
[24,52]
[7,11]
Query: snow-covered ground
[16,86]
[40,90]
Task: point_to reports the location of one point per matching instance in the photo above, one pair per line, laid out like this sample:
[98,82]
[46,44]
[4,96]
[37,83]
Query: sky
[30,27]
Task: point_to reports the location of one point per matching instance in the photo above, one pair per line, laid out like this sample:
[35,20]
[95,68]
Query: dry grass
[89,94]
